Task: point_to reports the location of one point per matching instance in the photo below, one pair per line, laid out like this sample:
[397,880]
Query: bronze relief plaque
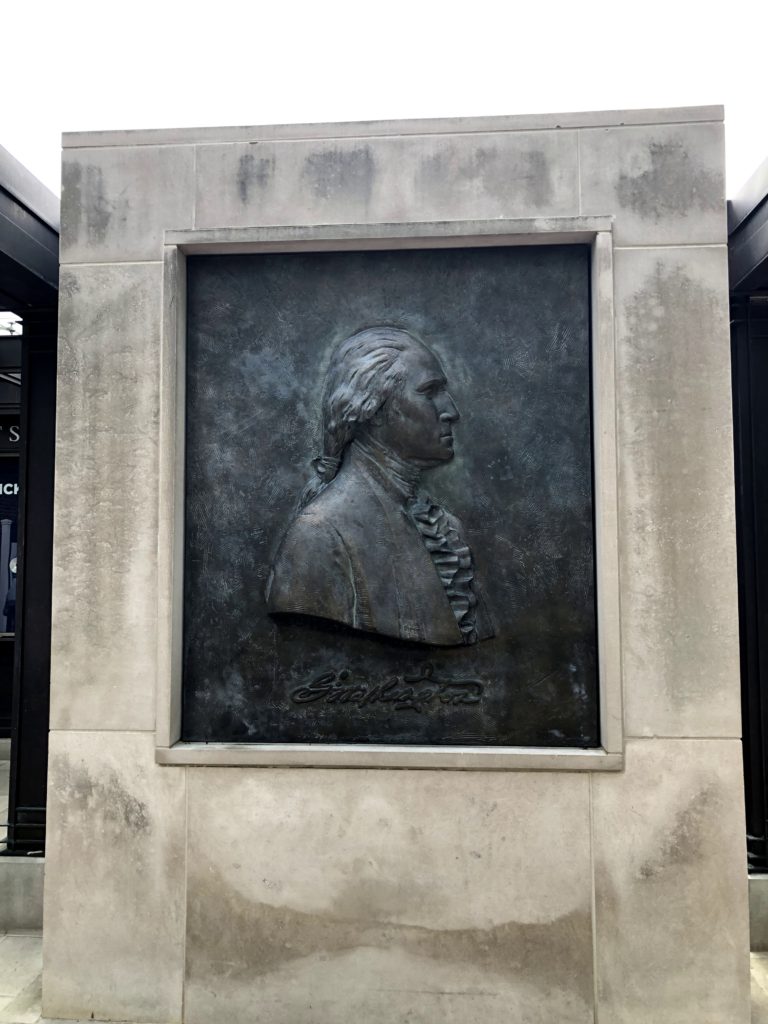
[388,498]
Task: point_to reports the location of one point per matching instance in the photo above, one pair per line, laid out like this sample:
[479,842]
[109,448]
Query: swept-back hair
[364,371]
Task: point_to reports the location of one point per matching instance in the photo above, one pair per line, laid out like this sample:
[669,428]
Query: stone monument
[395,653]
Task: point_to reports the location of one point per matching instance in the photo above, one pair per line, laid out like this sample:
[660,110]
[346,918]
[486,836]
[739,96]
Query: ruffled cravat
[451,558]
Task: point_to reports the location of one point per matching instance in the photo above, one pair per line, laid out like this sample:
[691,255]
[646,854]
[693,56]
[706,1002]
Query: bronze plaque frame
[594,231]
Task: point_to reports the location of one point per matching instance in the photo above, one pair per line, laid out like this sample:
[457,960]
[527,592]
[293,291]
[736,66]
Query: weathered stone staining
[673,398]
[109,328]
[667,186]
[432,888]
[387,178]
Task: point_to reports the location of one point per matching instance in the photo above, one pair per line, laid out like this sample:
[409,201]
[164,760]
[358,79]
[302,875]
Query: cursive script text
[403,693]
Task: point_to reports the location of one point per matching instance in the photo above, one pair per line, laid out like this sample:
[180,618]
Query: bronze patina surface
[389,530]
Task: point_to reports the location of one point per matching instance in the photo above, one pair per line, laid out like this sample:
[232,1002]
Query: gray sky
[83,65]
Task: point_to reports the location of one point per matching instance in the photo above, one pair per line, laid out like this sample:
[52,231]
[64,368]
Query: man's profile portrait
[367,547]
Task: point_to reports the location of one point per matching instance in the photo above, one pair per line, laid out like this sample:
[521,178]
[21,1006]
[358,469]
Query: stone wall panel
[104,642]
[113,941]
[340,895]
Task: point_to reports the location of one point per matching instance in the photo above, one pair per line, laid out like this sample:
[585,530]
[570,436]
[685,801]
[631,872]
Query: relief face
[388,498]
[368,547]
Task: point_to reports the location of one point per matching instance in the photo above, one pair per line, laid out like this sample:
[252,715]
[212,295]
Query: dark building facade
[29,269]
[748,269]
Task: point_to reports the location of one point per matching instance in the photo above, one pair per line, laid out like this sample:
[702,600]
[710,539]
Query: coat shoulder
[311,573]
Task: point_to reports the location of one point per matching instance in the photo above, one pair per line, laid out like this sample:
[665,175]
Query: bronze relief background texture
[493,345]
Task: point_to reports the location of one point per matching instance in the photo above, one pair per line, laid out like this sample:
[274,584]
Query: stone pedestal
[241,884]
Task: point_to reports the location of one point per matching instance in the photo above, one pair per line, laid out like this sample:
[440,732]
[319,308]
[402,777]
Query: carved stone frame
[595,231]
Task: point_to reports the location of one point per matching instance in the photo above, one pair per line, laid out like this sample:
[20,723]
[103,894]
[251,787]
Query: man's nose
[449,413]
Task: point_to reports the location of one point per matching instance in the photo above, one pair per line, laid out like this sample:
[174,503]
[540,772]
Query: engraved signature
[404,693]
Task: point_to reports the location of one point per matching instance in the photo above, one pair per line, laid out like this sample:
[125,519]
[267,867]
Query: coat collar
[399,478]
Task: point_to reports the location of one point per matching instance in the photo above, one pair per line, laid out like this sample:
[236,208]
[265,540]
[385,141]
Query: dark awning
[29,239]
[748,234]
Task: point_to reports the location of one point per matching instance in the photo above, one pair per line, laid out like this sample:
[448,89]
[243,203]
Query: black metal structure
[748,265]
[29,288]
[10,447]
